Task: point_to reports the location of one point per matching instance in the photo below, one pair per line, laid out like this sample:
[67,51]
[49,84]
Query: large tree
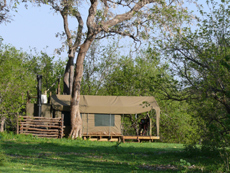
[131,18]
[201,60]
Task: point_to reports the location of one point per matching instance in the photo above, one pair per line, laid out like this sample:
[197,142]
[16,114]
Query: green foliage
[50,70]
[134,77]
[177,123]
[3,158]
[146,76]
[18,75]
[98,64]
[200,59]
[15,80]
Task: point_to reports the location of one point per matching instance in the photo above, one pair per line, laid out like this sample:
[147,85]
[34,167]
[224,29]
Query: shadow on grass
[87,156]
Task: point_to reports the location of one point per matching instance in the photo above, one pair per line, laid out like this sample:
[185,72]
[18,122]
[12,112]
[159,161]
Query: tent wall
[88,124]
[89,127]
[32,110]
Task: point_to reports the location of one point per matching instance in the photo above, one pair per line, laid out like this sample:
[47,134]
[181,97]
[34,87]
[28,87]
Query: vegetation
[27,153]
[15,80]
[18,76]
[201,61]
[146,76]
[187,72]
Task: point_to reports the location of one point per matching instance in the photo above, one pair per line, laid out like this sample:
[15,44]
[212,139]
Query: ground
[30,154]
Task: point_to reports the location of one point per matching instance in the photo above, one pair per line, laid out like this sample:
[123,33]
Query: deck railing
[41,126]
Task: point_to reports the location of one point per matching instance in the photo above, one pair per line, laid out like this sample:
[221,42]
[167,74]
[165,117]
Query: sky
[36,28]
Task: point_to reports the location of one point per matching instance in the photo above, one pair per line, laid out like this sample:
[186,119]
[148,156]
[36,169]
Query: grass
[21,153]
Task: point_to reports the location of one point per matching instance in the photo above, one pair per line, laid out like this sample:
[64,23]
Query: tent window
[104,120]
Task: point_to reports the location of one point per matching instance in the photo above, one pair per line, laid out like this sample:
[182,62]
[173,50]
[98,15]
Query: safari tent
[101,115]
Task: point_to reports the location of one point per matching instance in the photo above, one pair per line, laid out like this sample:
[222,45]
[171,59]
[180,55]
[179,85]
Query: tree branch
[64,14]
[106,8]
[122,17]
[120,3]
[3,6]
[90,20]
[79,31]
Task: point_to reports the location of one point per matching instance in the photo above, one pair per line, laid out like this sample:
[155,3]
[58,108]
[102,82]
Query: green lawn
[21,153]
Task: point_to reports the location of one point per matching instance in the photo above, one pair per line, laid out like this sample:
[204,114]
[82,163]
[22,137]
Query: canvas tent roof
[107,104]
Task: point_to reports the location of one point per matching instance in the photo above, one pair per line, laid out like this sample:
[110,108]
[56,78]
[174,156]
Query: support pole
[39,89]
[59,88]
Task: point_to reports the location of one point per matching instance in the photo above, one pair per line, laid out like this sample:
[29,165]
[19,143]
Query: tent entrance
[66,122]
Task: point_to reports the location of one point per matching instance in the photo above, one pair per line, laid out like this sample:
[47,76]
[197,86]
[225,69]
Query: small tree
[15,80]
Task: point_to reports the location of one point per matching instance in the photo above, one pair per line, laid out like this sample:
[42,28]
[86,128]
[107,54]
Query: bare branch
[64,14]
[106,8]
[79,32]
[120,3]
[3,6]
[122,17]
[191,59]
[124,34]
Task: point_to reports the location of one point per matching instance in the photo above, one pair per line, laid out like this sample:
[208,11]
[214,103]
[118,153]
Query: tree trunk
[3,119]
[68,77]
[76,120]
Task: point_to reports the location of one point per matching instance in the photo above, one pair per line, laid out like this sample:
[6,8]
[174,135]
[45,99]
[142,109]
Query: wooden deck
[140,138]
[112,138]
[115,138]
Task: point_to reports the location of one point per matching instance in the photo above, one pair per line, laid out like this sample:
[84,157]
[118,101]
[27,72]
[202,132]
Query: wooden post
[20,128]
[150,127]
[123,139]
[59,88]
[62,118]
[28,97]
[50,97]
[39,93]
[17,126]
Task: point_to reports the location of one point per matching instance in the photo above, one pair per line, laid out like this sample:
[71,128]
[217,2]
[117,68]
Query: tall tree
[105,18]
[201,59]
